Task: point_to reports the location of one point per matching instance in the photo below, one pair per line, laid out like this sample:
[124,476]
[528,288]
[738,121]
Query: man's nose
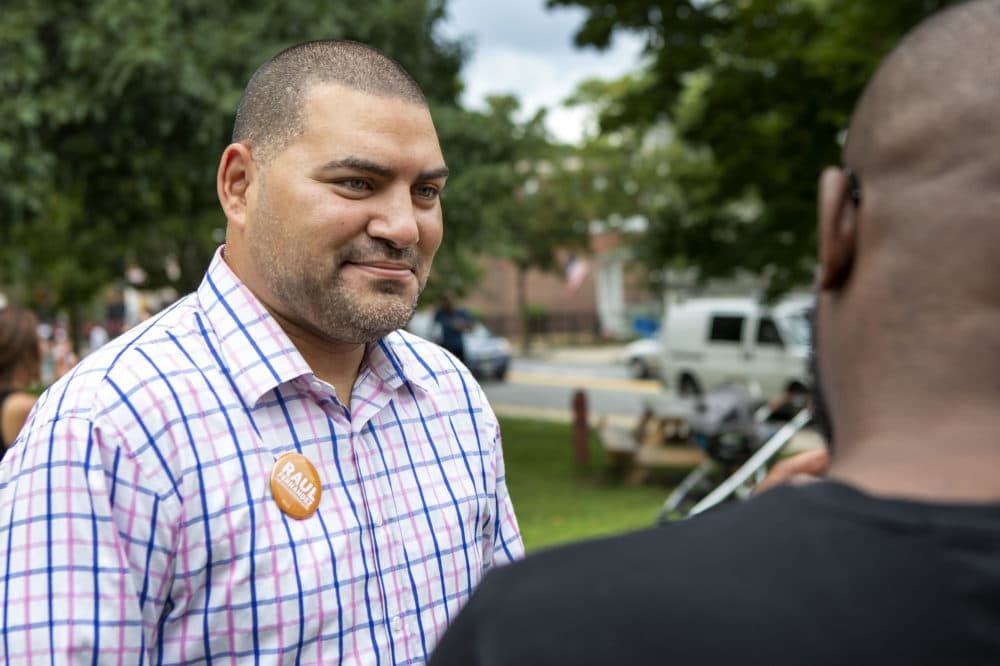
[396,219]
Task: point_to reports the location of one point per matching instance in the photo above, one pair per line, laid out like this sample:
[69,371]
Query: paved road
[543,386]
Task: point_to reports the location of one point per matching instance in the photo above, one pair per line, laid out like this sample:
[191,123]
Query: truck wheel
[501,372]
[638,370]
[688,386]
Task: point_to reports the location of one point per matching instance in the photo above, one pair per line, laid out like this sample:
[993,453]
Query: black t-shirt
[819,574]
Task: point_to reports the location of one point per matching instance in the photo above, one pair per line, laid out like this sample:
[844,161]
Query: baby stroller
[740,439]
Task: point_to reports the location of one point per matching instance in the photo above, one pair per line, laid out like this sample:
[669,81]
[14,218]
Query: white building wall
[611,310]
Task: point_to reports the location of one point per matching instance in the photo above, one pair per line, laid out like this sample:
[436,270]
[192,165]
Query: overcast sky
[519,47]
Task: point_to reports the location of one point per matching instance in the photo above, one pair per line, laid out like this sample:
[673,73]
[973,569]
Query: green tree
[507,198]
[629,178]
[116,112]
[536,213]
[480,149]
[759,92]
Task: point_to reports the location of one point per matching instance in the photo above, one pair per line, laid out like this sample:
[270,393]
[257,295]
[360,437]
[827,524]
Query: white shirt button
[316,386]
[376,518]
[397,624]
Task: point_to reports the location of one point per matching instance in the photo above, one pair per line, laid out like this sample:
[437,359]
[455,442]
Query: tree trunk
[75,323]
[522,307]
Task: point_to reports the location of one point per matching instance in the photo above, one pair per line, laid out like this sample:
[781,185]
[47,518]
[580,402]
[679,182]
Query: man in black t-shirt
[820,574]
[894,557]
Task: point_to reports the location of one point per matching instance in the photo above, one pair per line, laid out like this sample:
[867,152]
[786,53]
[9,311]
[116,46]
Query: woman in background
[20,359]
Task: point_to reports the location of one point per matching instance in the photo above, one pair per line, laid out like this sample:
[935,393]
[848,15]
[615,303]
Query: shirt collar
[394,360]
[254,348]
[260,356]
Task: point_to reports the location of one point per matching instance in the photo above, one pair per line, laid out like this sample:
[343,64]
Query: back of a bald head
[925,143]
[932,106]
[270,112]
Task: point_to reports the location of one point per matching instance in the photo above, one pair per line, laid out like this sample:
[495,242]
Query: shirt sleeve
[87,547]
[505,539]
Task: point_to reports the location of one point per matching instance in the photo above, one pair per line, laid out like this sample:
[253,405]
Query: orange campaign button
[295,485]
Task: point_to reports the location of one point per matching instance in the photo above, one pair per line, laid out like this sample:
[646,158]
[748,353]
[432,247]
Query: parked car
[487,355]
[708,342]
[643,358]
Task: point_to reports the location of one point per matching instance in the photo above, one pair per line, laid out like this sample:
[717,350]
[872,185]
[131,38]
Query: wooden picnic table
[660,438]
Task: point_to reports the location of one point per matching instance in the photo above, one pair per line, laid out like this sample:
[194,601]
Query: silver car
[643,358]
[487,355]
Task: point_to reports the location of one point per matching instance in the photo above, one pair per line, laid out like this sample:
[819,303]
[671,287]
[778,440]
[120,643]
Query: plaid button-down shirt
[137,523]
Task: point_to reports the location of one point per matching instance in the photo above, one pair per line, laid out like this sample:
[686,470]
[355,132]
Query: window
[797,328]
[726,328]
[767,333]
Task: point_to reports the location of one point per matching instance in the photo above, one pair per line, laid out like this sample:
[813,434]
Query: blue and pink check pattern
[138,526]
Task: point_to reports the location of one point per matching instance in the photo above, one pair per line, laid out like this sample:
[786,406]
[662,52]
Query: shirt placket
[392,585]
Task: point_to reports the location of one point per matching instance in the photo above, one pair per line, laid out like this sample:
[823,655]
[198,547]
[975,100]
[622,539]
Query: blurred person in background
[63,355]
[97,336]
[453,322]
[894,556]
[20,361]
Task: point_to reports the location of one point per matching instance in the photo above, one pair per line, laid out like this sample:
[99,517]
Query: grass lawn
[555,502]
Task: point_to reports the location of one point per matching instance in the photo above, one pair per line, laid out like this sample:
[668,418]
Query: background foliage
[115,113]
[759,94]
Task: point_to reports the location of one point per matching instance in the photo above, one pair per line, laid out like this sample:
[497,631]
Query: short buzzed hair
[933,101]
[924,143]
[270,112]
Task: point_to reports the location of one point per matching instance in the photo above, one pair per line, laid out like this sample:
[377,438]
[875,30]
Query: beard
[312,291]
[820,406]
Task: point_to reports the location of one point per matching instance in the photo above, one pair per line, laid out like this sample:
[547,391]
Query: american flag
[576,271]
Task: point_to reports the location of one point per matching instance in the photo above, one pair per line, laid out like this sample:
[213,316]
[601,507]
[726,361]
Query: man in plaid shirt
[270,471]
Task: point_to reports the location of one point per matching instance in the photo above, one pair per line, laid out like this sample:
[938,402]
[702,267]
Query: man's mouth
[389,270]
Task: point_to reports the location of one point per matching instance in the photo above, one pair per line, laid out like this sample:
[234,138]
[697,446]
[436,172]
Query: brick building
[609,299]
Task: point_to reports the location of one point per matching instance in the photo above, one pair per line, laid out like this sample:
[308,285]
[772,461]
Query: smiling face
[340,228]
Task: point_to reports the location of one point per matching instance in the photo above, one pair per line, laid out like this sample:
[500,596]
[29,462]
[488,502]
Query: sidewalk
[805,440]
[594,420]
[602,354]
[605,353]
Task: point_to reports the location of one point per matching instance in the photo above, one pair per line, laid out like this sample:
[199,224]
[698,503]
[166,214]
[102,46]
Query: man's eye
[359,184]
[426,191]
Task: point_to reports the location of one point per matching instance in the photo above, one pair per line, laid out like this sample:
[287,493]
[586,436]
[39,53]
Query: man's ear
[236,169]
[837,229]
